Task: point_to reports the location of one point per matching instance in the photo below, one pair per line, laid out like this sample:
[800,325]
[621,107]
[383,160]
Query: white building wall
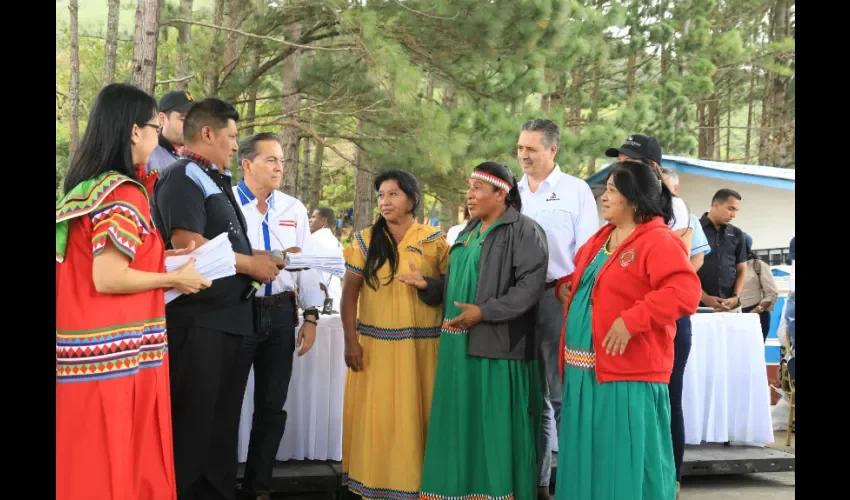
[767,214]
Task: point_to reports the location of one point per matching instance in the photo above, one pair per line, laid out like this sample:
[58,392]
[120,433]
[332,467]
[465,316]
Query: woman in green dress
[633,280]
[487,404]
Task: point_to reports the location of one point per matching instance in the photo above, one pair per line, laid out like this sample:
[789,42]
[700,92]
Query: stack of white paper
[328,260]
[213,260]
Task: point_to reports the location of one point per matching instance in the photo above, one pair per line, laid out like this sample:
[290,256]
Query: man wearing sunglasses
[172,112]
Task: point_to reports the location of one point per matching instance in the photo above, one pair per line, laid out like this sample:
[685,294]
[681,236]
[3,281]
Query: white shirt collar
[551,180]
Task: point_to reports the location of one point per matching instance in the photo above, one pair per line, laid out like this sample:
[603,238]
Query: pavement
[773,485]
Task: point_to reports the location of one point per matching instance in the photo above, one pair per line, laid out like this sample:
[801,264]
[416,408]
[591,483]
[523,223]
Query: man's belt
[274,300]
[550,285]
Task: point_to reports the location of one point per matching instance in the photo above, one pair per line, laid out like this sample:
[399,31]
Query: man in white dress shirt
[564,207]
[320,225]
[275,221]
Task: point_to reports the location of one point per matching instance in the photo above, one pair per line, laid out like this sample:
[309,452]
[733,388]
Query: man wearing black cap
[638,147]
[172,111]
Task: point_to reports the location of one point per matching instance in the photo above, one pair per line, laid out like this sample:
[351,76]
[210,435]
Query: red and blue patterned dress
[113,409]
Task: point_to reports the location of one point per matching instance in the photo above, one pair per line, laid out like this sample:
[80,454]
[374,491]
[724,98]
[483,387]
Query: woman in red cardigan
[632,281]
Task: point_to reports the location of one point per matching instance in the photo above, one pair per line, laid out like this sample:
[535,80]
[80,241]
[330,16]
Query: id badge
[328,308]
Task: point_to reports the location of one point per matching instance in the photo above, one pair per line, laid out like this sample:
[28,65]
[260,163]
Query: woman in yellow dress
[391,340]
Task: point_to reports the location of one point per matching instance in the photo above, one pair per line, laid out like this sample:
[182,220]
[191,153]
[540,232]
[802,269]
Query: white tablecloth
[726,396]
[314,403]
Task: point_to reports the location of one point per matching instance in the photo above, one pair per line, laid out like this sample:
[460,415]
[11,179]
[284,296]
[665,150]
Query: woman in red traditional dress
[113,410]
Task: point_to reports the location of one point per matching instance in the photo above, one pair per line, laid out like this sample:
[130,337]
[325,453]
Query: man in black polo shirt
[724,270]
[172,113]
[193,202]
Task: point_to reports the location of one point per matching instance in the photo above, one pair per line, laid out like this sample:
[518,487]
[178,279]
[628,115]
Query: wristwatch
[312,312]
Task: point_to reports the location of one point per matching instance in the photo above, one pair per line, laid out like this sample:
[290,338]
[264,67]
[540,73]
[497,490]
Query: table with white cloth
[726,396]
[314,402]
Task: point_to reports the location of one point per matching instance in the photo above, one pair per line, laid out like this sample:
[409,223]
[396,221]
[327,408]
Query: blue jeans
[681,350]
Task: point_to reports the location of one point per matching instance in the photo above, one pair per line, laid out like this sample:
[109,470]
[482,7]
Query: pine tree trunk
[232,46]
[297,169]
[143,68]
[111,46]
[751,99]
[631,77]
[711,123]
[251,113]
[363,190]
[594,112]
[305,173]
[74,91]
[703,135]
[448,213]
[316,177]
[574,119]
[184,35]
[780,141]
[290,72]
[728,130]
[212,64]
[764,131]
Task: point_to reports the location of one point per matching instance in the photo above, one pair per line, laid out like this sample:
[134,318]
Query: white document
[328,260]
[213,260]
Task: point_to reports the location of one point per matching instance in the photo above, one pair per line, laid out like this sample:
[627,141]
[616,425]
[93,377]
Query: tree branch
[176,80]
[271,63]
[260,37]
[428,15]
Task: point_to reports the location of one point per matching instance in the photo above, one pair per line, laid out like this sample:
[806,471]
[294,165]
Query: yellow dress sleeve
[443,255]
[355,254]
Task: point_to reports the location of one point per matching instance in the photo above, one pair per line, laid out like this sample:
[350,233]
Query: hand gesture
[264,268]
[181,251]
[306,338]
[617,339]
[730,303]
[470,316]
[564,292]
[414,278]
[716,303]
[354,355]
[188,280]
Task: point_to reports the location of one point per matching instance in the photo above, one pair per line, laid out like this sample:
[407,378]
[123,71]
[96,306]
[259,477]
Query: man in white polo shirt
[564,207]
[274,221]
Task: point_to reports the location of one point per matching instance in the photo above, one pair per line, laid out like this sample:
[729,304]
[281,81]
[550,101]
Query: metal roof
[780,178]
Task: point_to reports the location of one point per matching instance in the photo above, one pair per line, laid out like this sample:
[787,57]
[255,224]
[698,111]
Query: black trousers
[270,350]
[764,317]
[681,351]
[206,401]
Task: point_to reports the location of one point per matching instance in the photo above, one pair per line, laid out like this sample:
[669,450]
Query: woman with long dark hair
[391,340]
[633,280]
[113,411]
[487,409]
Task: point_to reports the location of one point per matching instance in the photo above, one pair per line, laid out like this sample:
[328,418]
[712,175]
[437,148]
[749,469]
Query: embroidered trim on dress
[582,359]
[118,351]
[398,333]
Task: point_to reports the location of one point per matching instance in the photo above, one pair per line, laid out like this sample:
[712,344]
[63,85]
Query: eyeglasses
[154,125]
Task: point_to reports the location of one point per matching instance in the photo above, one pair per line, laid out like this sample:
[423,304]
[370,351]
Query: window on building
[773,256]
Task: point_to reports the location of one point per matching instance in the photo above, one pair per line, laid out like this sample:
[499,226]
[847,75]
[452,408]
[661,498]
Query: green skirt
[485,417]
[615,441]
